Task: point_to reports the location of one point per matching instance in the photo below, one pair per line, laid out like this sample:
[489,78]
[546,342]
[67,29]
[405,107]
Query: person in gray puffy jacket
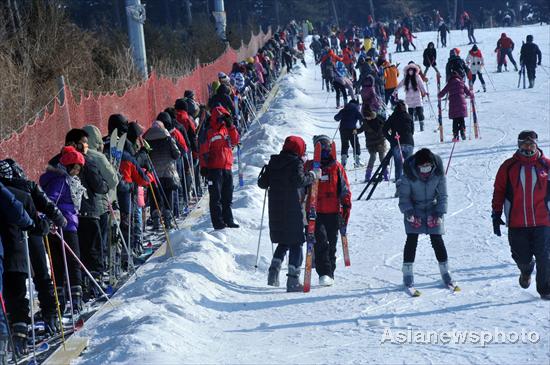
[423,201]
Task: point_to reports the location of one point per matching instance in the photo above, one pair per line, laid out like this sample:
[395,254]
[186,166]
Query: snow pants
[418,112]
[89,240]
[438,245]
[75,274]
[340,90]
[531,70]
[480,78]
[458,126]
[380,150]
[348,138]
[295,254]
[15,291]
[388,96]
[407,150]
[220,188]
[41,278]
[326,236]
[501,60]
[526,243]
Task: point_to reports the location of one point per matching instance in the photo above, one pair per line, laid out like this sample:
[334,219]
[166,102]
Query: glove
[434,221]
[60,221]
[414,221]
[204,172]
[229,122]
[51,324]
[42,227]
[497,222]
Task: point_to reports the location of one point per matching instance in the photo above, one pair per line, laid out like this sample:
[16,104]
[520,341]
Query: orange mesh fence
[37,142]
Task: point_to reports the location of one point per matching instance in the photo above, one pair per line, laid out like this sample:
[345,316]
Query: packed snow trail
[209,305]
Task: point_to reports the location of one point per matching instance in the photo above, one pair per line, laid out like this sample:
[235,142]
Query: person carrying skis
[375,141]
[530,57]
[423,202]
[458,108]
[414,92]
[348,118]
[505,46]
[475,62]
[399,131]
[333,209]
[443,30]
[522,191]
[216,160]
[286,180]
[430,58]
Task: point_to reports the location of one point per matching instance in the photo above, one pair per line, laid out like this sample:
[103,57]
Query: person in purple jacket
[458,108]
[63,187]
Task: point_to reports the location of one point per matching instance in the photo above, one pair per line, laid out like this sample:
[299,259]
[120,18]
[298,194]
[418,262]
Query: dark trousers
[418,112]
[41,278]
[437,244]
[15,290]
[388,96]
[503,53]
[480,78]
[348,138]
[89,241]
[443,39]
[220,188]
[295,254]
[326,236]
[531,70]
[75,274]
[340,90]
[105,231]
[458,125]
[526,243]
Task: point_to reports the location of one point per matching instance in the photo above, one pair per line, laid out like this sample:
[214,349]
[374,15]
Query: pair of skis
[413,292]
[312,217]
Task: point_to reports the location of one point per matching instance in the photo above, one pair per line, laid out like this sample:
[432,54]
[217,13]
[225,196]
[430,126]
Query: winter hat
[5,170]
[474,48]
[166,119]
[180,104]
[295,144]
[134,131]
[321,138]
[17,170]
[189,94]
[502,35]
[369,114]
[221,75]
[423,156]
[70,156]
[527,136]
[118,122]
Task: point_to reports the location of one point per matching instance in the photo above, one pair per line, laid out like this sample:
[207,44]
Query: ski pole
[355,159]
[161,219]
[75,256]
[240,166]
[52,273]
[450,157]
[489,77]
[8,327]
[261,228]
[398,137]
[67,279]
[31,291]
[124,243]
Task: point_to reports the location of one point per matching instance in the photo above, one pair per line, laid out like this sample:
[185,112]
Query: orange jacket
[391,73]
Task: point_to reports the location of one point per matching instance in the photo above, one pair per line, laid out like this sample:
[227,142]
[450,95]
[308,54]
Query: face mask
[325,154]
[425,169]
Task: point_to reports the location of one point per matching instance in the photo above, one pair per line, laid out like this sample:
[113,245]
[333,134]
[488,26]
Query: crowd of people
[82,223]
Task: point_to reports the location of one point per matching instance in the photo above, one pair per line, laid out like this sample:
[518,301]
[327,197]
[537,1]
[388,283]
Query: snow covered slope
[209,305]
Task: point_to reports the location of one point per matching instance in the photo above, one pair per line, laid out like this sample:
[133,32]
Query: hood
[119,122]
[215,115]
[409,167]
[411,66]
[94,137]
[166,119]
[503,35]
[295,145]
[156,132]
[134,131]
[223,89]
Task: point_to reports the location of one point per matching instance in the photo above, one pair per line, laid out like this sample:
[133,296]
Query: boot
[344,160]
[386,175]
[445,274]
[484,88]
[167,218]
[463,134]
[421,126]
[368,175]
[273,275]
[516,67]
[19,334]
[62,299]
[358,162]
[408,276]
[4,350]
[76,296]
[525,276]
[337,103]
[293,280]
[531,83]
[326,280]
[155,218]
[51,323]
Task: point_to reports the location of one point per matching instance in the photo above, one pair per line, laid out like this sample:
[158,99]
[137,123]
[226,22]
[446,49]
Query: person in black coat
[430,58]
[443,30]
[222,97]
[455,64]
[530,56]
[348,118]
[12,175]
[399,131]
[12,213]
[285,178]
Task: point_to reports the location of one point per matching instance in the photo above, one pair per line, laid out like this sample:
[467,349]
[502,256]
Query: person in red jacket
[523,190]
[505,46]
[333,209]
[216,159]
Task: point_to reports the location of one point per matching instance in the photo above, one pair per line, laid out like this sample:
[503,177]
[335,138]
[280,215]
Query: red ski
[312,216]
